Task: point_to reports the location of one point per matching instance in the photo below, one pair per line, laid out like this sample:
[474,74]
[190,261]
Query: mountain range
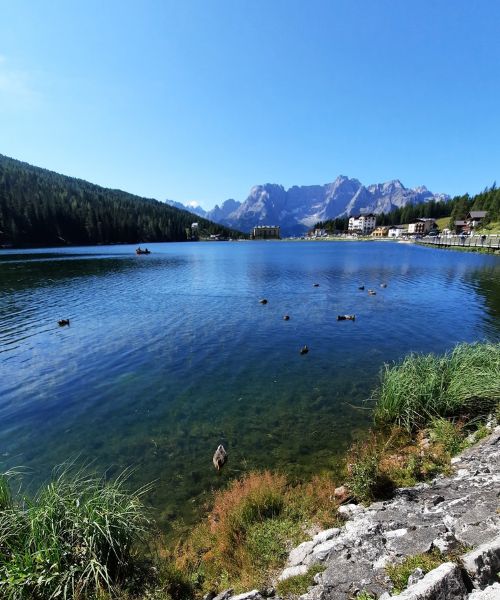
[297,209]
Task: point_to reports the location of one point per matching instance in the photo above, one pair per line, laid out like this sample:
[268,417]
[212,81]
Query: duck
[315,284]
[383,285]
[346,317]
[372,293]
[263,301]
[361,287]
[286,318]
[63,322]
[304,350]
[220,457]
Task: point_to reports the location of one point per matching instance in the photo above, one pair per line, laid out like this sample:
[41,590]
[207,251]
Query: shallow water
[170,354]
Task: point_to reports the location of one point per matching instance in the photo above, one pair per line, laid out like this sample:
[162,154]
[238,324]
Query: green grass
[464,382]
[442,223]
[74,539]
[449,434]
[490,228]
[269,541]
[298,584]
[399,573]
[365,596]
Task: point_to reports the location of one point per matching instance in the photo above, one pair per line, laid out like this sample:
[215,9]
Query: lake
[170,354]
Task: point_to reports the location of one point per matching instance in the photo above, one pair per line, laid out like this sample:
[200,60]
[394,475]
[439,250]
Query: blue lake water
[168,355]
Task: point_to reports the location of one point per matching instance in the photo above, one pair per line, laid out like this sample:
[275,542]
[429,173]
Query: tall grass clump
[74,539]
[464,382]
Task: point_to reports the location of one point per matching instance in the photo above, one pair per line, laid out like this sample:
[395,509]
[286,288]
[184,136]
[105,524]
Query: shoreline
[277,536]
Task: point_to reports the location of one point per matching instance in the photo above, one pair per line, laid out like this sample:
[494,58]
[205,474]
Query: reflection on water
[169,354]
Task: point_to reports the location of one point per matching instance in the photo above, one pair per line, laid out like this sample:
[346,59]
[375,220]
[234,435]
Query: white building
[396,231]
[362,224]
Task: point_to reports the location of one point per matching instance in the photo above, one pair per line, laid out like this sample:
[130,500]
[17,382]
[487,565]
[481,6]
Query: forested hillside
[43,208]
[456,208]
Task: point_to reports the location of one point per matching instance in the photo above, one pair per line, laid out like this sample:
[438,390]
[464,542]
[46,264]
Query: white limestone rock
[298,554]
[492,592]
[483,563]
[326,535]
[246,595]
[292,572]
[443,583]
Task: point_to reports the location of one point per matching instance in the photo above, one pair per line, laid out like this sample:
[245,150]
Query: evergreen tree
[42,208]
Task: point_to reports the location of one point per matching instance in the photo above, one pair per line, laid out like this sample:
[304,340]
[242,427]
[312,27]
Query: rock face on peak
[300,207]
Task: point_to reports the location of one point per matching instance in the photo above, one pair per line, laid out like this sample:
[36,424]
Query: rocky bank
[449,513]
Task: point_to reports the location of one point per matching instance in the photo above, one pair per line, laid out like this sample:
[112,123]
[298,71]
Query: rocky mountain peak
[300,207]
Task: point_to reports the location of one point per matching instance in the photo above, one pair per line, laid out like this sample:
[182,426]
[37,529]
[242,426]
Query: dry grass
[252,526]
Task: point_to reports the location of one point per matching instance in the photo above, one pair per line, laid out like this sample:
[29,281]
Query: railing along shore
[486,242]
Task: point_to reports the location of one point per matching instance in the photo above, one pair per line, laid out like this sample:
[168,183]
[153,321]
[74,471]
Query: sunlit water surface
[168,355]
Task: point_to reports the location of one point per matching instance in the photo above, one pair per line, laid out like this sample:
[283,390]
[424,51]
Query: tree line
[456,208]
[43,208]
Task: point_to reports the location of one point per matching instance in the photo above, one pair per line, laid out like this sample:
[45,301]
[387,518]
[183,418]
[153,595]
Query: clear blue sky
[201,99]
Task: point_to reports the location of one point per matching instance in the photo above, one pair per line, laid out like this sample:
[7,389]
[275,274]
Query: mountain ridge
[298,208]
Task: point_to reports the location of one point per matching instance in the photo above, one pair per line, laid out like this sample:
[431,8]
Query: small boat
[141,251]
[346,317]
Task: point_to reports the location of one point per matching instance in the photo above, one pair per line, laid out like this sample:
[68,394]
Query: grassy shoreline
[84,537]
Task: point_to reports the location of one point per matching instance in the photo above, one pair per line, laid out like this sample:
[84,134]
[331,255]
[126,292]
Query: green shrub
[73,540]
[298,584]
[447,433]
[465,382]
[363,476]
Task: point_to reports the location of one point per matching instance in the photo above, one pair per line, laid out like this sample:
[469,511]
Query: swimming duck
[286,318]
[63,322]
[372,293]
[220,457]
[383,285]
[304,350]
[263,301]
[361,287]
[315,284]
[346,317]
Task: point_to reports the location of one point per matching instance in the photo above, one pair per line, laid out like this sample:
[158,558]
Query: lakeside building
[381,231]
[317,233]
[397,231]
[475,218]
[421,226]
[266,232]
[364,224]
[461,226]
